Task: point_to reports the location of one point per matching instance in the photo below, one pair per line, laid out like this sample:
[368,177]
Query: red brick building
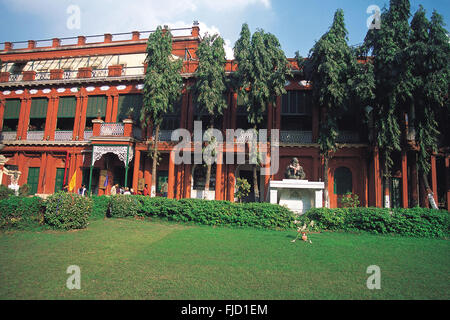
[65,101]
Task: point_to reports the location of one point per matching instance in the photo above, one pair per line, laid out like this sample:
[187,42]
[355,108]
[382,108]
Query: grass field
[131,259]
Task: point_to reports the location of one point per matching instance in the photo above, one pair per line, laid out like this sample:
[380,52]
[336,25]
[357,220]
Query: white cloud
[119,16]
[205,29]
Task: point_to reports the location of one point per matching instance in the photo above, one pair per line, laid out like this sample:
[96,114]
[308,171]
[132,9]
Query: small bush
[121,206]
[21,213]
[417,222]
[5,192]
[68,211]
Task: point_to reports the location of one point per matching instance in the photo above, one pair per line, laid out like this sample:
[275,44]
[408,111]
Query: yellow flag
[73,181]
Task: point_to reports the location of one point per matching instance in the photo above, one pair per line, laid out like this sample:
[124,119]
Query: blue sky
[296,23]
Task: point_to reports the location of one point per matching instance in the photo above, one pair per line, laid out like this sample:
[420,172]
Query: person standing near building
[146,192]
[114,189]
[164,189]
[82,190]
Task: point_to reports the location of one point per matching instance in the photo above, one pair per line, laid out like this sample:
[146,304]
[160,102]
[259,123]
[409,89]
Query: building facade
[70,107]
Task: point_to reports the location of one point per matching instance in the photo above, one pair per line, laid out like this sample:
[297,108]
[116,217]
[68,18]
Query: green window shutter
[38,108]
[33,179]
[12,109]
[67,107]
[59,179]
[128,101]
[96,103]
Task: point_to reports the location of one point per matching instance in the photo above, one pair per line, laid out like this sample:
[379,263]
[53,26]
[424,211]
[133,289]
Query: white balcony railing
[35,135]
[70,74]
[8,136]
[43,76]
[296,136]
[15,77]
[112,129]
[87,135]
[99,73]
[63,135]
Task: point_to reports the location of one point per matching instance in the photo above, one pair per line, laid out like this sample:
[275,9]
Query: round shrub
[122,205]
[67,211]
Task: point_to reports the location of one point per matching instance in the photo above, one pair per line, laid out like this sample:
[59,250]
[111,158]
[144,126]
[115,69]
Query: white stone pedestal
[14,187]
[297,195]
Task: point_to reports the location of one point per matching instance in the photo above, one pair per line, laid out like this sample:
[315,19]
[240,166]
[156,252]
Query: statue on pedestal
[294,171]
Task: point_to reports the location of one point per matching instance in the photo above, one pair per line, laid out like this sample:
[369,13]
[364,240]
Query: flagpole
[90,171]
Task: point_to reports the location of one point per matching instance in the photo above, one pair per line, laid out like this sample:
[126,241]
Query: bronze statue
[294,170]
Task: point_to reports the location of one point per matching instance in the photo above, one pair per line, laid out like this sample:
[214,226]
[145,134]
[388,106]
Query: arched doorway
[122,155]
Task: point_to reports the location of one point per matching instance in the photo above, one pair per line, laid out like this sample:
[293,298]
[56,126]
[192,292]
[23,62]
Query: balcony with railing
[87,135]
[112,129]
[82,64]
[62,135]
[348,137]
[81,73]
[8,135]
[35,135]
[292,136]
[42,76]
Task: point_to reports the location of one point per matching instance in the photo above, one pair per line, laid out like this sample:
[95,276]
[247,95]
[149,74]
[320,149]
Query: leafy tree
[332,69]
[428,57]
[162,87]
[393,85]
[260,78]
[210,88]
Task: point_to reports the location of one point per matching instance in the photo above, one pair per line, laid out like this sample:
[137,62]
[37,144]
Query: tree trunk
[255,183]
[208,167]
[387,202]
[208,178]
[154,161]
[429,192]
[325,181]
[255,171]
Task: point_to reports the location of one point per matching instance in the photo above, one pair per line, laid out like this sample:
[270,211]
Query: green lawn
[130,259]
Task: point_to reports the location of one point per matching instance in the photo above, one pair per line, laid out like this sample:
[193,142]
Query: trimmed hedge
[260,215]
[416,222]
[121,206]
[21,213]
[71,211]
[100,207]
[68,211]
